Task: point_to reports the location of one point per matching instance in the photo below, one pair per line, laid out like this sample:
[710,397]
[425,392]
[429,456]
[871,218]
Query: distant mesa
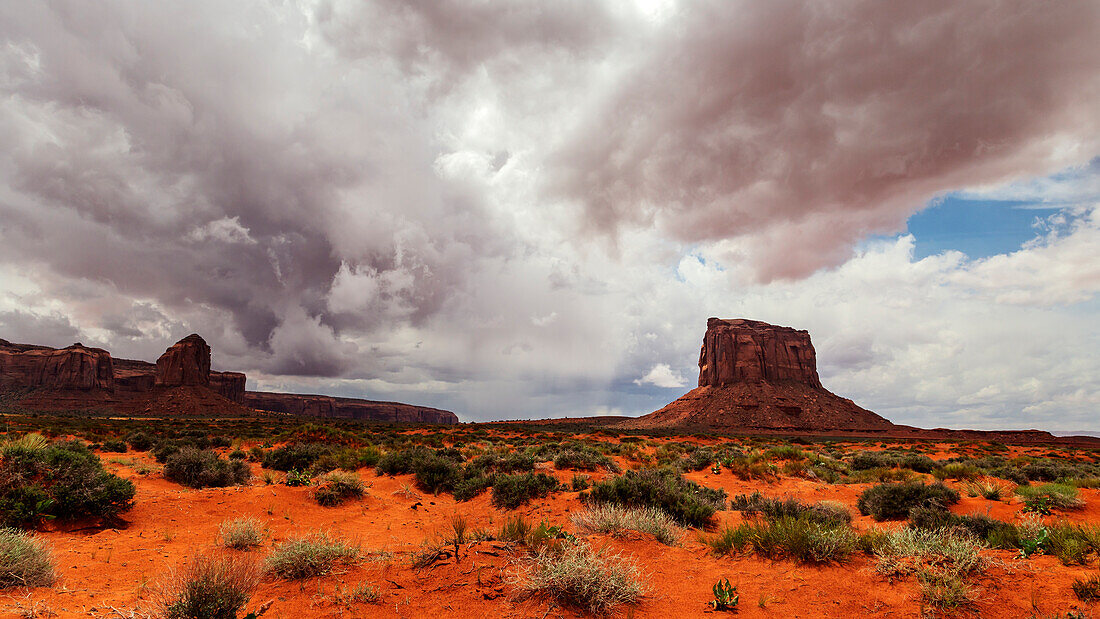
[179,384]
[758,376]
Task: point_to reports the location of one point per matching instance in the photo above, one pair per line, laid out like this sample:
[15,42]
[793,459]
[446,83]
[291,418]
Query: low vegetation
[894,501]
[210,586]
[241,533]
[205,469]
[615,519]
[511,491]
[338,487]
[577,575]
[307,557]
[665,489]
[24,560]
[42,480]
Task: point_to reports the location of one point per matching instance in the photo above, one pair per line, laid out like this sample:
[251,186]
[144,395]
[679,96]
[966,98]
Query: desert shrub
[956,470]
[402,462]
[785,452]
[205,469]
[944,588]
[238,454]
[140,441]
[986,489]
[584,460]
[577,575]
[299,456]
[115,446]
[1087,589]
[579,483]
[1072,544]
[958,550]
[511,491]
[799,538]
[893,501]
[917,462]
[24,561]
[695,461]
[471,487]
[1052,495]
[980,525]
[39,479]
[307,557]
[515,530]
[436,474]
[615,519]
[687,502]
[774,509]
[210,587]
[864,460]
[337,487]
[241,533]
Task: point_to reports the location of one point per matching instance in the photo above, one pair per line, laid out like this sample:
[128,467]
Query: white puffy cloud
[530,210]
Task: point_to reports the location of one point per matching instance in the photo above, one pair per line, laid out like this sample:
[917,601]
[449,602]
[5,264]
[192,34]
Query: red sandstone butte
[187,362]
[76,367]
[757,376]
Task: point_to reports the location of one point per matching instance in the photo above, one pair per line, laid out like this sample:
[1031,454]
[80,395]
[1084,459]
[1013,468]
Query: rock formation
[750,351]
[757,376]
[76,367]
[229,385]
[346,408]
[180,383]
[187,362]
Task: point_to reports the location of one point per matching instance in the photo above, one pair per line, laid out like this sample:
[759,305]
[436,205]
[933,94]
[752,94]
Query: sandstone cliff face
[229,385]
[757,376]
[346,408]
[75,367]
[187,362]
[736,351]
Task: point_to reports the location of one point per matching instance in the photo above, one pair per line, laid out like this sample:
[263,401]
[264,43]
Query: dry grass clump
[210,586]
[337,487]
[24,560]
[241,533]
[942,559]
[306,557]
[575,574]
[614,519]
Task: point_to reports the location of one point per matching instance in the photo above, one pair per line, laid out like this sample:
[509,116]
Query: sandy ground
[117,572]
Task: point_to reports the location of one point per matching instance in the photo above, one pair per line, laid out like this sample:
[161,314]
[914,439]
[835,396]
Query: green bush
[115,446]
[1051,495]
[894,501]
[511,491]
[59,480]
[300,456]
[241,533]
[774,509]
[436,474]
[205,469]
[471,487]
[584,460]
[800,538]
[139,441]
[337,487]
[24,561]
[687,502]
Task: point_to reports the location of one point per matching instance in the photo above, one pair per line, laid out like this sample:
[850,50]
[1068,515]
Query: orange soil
[104,570]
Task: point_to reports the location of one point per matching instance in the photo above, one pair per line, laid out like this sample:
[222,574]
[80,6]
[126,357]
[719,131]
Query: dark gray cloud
[414,198]
[799,128]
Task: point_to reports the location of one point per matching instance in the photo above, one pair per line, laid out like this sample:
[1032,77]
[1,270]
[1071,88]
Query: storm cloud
[530,208]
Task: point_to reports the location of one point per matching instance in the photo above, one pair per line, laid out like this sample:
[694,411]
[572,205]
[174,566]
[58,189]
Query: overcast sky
[530,208]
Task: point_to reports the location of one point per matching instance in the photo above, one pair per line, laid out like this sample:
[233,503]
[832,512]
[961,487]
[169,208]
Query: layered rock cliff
[180,383]
[75,367]
[750,351]
[187,362]
[345,408]
[758,376]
